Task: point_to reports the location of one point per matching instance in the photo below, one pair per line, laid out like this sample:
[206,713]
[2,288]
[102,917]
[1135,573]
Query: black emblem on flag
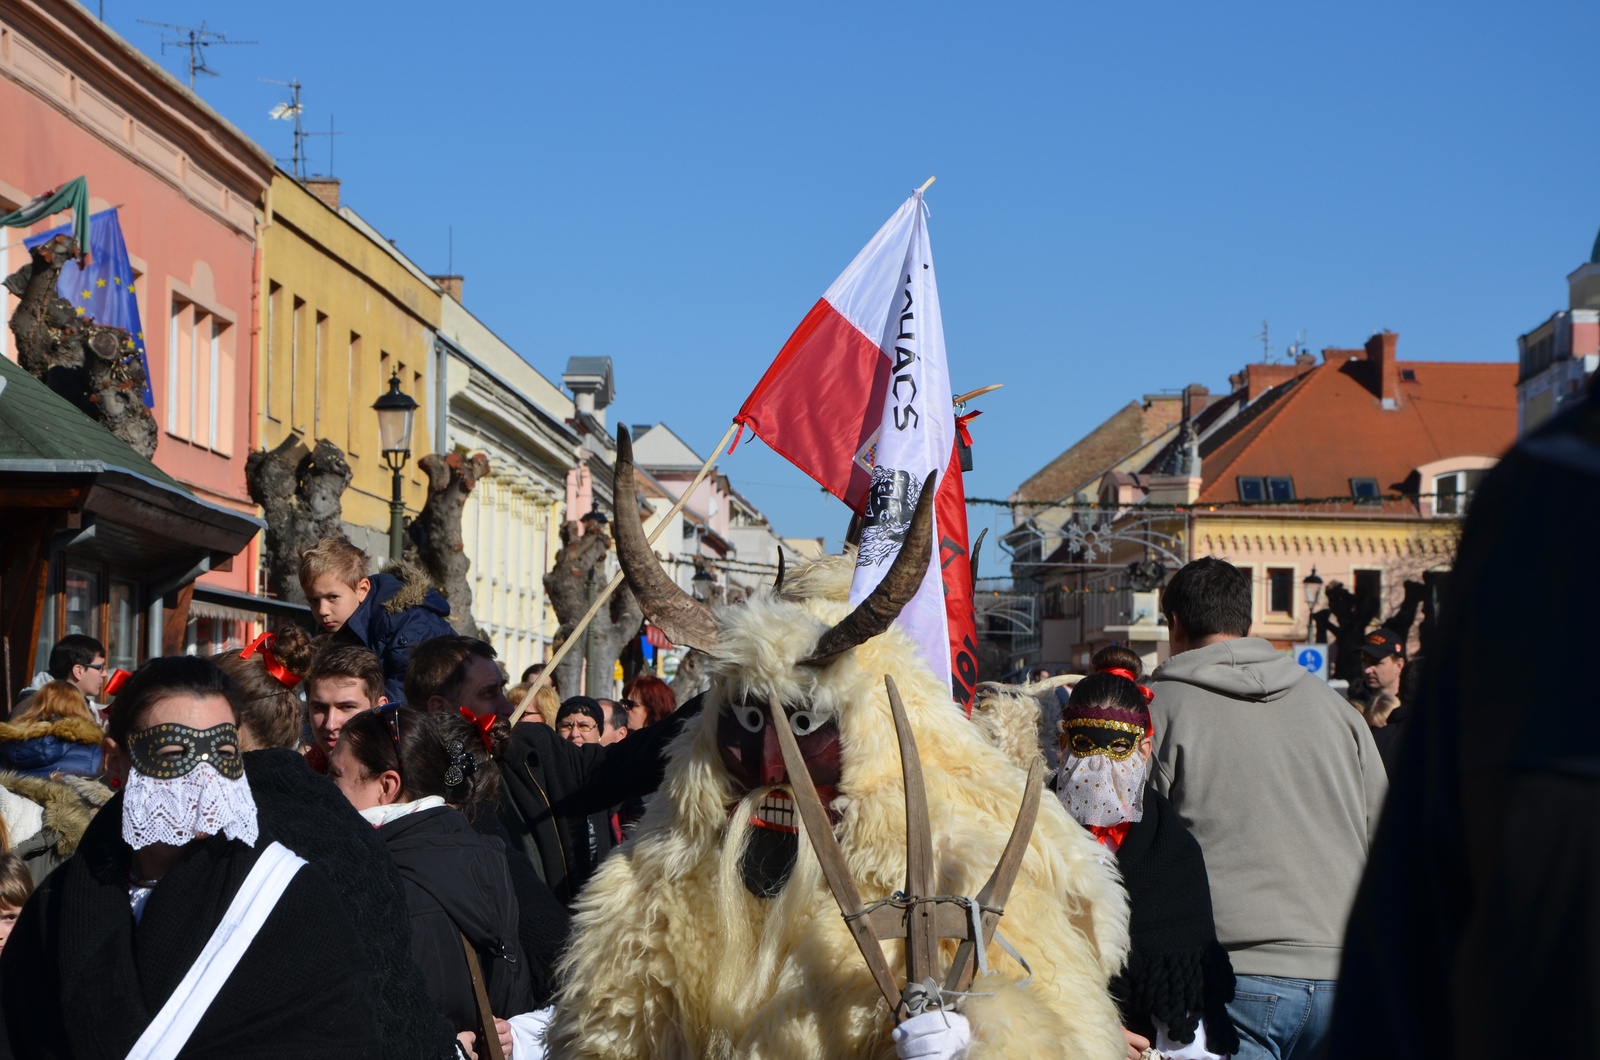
[891,499]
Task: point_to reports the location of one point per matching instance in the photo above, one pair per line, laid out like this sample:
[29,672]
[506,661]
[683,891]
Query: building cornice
[98,56]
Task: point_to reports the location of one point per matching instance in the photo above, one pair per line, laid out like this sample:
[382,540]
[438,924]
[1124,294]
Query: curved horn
[977,546]
[879,610]
[680,616]
[777,584]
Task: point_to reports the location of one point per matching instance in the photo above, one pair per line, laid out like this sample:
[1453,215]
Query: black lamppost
[396,411]
[1312,586]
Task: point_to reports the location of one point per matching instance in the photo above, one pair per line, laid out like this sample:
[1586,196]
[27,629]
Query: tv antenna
[1266,343]
[195,38]
[292,111]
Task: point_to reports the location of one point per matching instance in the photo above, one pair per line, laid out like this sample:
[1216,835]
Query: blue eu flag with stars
[103,290]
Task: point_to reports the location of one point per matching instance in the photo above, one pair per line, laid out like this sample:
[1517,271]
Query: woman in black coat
[104,944]
[406,772]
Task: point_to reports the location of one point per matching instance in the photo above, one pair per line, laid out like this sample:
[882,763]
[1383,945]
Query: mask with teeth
[748,748]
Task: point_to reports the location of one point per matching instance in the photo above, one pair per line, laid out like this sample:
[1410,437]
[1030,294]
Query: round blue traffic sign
[1311,659]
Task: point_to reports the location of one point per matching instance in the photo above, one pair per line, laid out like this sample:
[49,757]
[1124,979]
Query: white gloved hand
[933,1035]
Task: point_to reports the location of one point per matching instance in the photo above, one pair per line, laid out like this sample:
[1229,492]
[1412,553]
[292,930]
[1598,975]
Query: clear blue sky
[1125,190]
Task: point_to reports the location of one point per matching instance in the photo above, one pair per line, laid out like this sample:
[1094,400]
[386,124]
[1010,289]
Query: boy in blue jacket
[389,613]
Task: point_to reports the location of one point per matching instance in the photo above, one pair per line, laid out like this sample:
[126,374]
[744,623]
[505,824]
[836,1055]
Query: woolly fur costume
[674,958]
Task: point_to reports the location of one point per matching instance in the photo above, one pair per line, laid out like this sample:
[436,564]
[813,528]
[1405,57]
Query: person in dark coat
[53,733]
[107,938]
[401,769]
[310,816]
[1174,989]
[550,786]
[388,613]
[1473,933]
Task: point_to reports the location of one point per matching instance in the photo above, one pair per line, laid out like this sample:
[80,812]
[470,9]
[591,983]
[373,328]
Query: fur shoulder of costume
[68,807]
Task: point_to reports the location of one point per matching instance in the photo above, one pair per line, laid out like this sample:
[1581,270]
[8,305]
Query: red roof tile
[1329,427]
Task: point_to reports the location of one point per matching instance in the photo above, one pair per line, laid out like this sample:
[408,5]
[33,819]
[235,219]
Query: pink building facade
[77,100]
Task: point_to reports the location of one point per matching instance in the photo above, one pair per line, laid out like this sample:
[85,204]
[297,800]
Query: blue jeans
[1281,1019]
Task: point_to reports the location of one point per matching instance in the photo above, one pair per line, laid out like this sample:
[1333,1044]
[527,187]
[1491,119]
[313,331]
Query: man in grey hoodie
[1280,781]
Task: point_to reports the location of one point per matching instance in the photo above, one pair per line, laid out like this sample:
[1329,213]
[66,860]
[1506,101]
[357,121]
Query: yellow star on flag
[86,294]
[100,283]
[81,311]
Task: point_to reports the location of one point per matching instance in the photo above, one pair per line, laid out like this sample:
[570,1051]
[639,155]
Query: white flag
[917,431]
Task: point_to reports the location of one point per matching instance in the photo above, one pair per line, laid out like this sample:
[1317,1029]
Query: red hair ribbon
[285,677]
[1143,691]
[481,722]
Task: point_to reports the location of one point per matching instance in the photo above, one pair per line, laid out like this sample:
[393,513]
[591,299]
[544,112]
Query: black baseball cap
[1382,643]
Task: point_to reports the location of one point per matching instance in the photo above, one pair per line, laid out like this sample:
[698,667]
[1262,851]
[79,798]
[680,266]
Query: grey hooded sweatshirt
[1280,781]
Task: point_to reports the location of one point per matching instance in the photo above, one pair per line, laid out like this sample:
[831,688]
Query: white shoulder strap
[169,1032]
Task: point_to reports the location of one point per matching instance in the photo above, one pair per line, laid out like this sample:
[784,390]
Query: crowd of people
[339,844]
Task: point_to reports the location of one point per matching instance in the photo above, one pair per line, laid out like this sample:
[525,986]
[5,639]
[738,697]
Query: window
[316,376]
[1453,492]
[1364,489]
[83,602]
[1369,591]
[214,432]
[175,357]
[1280,487]
[122,642]
[1252,488]
[356,391]
[1408,375]
[295,407]
[272,349]
[1280,591]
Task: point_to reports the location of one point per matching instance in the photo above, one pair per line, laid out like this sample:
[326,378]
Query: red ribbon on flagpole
[961,427]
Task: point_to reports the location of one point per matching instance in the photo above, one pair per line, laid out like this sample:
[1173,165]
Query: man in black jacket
[550,786]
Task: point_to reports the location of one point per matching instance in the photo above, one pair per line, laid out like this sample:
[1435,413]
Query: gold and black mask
[1087,737]
[170,750]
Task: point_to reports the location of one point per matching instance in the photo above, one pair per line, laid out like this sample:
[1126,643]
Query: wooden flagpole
[616,580]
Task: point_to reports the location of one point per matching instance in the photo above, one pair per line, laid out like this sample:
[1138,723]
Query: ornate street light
[396,413]
[703,582]
[1312,586]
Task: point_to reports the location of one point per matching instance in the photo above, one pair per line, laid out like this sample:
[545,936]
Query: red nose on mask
[773,770]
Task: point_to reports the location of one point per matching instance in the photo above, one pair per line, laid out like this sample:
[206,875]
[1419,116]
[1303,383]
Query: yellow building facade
[339,312]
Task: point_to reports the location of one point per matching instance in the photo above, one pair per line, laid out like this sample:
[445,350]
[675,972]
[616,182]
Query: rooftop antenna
[291,112]
[195,38]
[1266,343]
[330,134]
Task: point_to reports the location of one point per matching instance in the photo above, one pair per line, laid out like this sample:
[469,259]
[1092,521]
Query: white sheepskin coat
[672,958]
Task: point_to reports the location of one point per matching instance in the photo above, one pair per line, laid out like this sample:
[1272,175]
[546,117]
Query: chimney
[451,285]
[1380,353]
[324,188]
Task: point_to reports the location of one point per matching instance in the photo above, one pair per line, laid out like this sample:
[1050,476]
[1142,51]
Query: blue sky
[1126,191]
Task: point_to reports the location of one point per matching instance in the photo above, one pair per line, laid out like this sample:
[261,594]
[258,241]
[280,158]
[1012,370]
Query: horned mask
[716,930]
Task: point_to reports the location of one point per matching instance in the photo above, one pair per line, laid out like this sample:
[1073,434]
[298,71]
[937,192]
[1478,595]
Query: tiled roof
[1119,435]
[36,423]
[1329,426]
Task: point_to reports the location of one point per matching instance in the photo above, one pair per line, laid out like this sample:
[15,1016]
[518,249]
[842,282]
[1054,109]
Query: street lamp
[1312,587]
[703,583]
[396,411]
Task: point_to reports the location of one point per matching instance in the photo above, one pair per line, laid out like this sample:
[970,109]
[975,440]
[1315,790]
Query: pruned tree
[436,531]
[692,678]
[299,492]
[1347,616]
[95,367]
[572,585]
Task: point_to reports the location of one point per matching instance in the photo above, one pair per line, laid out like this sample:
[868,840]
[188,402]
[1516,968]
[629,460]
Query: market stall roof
[52,456]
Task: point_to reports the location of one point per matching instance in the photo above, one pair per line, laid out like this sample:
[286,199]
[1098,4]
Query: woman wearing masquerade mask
[314,819]
[179,924]
[1173,990]
[414,777]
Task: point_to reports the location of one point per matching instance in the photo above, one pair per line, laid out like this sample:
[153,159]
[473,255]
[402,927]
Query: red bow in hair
[481,722]
[1143,691]
[274,667]
[1115,833]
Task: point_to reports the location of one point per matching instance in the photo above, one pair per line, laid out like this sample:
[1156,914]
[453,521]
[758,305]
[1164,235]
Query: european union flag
[104,290]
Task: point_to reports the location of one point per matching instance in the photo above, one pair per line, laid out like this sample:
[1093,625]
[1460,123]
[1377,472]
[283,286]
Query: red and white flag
[859,399]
